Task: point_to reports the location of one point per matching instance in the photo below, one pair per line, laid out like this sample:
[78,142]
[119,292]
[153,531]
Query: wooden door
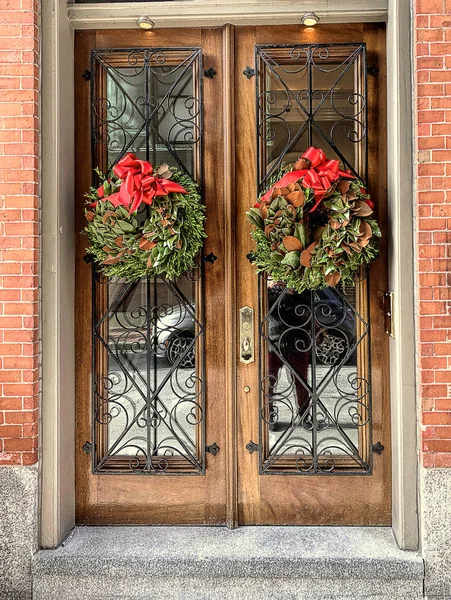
[142,410]
[312,405]
[226,466]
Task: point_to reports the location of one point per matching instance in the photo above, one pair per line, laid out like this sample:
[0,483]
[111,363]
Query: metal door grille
[314,361]
[148,401]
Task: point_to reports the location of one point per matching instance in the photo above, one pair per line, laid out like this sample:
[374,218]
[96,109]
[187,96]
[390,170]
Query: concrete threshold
[181,563]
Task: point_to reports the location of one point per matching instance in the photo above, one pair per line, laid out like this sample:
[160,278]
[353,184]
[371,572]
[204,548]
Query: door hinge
[249,72]
[389,301]
[87,447]
[377,448]
[252,447]
[86,75]
[210,258]
[210,73]
[213,448]
[373,70]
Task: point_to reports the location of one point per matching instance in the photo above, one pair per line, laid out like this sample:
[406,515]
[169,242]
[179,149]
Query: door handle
[246,335]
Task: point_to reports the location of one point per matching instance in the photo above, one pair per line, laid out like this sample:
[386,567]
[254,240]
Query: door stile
[83,275]
[247,282]
[230,305]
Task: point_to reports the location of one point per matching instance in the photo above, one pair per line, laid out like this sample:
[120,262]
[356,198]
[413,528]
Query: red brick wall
[19,177]
[19,228]
[433,126]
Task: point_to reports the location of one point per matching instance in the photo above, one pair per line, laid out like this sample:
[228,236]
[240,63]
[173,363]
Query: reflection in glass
[313,395]
[312,96]
[152,395]
[315,389]
[148,103]
[148,407]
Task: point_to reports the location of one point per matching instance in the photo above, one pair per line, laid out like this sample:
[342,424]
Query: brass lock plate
[246,335]
[389,300]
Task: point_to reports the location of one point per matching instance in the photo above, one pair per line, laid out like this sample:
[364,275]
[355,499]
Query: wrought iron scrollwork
[149,404]
[293,84]
[150,98]
[148,384]
[313,400]
[315,389]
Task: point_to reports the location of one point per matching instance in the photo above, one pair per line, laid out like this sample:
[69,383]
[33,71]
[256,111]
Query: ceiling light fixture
[310,19]
[145,23]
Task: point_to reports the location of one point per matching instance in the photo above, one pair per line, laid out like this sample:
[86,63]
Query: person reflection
[286,343]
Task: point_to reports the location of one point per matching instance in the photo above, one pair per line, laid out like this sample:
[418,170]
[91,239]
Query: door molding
[57,413]
[230,275]
[214,13]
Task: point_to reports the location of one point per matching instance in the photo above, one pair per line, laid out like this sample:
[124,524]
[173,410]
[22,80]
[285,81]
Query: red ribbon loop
[319,176]
[139,184]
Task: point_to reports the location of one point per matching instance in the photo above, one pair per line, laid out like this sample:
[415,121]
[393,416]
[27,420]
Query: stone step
[184,563]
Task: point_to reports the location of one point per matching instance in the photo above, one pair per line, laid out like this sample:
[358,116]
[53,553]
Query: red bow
[319,175]
[139,184]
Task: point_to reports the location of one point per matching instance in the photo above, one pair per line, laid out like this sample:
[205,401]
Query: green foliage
[165,243]
[312,253]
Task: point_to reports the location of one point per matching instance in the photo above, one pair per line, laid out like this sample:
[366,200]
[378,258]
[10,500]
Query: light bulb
[145,23]
[310,19]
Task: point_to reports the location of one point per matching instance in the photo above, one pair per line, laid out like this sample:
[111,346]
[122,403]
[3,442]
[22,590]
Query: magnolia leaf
[355,246]
[146,244]
[269,228]
[295,198]
[335,224]
[107,215]
[374,227]
[111,260]
[332,279]
[264,211]
[125,226]
[365,229]
[291,259]
[343,185]
[292,243]
[362,208]
[306,258]
[299,232]
[254,216]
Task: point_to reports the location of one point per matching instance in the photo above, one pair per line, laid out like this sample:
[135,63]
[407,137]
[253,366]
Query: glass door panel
[315,395]
[148,392]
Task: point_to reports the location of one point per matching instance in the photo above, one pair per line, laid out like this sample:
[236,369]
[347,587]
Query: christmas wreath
[314,225]
[143,221]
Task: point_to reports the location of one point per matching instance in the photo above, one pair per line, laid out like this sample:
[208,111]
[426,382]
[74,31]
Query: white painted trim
[213,13]
[57,275]
[57,488]
[401,273]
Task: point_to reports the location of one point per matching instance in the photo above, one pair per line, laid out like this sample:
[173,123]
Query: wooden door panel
[160,499]
[303,498]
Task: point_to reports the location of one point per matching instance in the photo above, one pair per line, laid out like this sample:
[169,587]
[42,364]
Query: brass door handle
[246,335]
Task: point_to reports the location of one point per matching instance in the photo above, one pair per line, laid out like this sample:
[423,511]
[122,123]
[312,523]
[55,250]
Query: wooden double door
[223,398]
